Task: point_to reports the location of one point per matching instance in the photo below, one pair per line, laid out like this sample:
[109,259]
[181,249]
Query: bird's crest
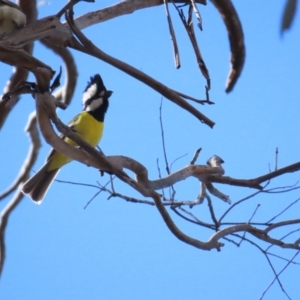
[94,89]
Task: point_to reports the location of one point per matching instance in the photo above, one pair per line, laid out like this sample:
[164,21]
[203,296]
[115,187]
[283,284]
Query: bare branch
[281,224]
[33,133]
[196,154]
[163,137]
[65,93]
[276,159]
[277,275]
[19,74]
[236,39]
[5,214]
[258,233]
[188,25]
[122,8]
[199,171]
[173,36]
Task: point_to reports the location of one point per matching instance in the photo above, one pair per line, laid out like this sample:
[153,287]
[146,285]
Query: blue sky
[119,250]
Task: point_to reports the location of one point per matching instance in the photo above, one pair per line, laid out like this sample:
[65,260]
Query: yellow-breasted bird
[88,125]
[11,17]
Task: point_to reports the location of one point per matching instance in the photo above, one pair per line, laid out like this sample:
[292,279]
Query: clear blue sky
[120,250]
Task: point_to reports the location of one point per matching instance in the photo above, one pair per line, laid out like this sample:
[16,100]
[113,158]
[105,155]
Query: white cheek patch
[89,93]
[94,104]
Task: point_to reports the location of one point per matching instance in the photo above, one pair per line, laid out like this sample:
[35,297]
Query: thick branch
[255,182]
[258,233]
[199,171]
[18,74]
[120,9]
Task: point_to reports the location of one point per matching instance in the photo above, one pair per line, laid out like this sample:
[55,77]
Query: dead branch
[163,138]
[199,171]
[283,223]
[19,74]
[258,233]
[120,9]
[189,27]
[276,277]
[31,129]
[5,214]
[236,40]
[65,93]
[255,182]
[173,36]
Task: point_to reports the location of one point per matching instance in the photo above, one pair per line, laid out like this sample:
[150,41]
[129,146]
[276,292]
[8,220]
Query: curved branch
[199,171]
[288,169]
[212,244]
[251,183]
[19,74]
[119,9]
[33,133]
[283,223]
[5,214]
[258,233]
[255,182]
[66,92]
[236,40]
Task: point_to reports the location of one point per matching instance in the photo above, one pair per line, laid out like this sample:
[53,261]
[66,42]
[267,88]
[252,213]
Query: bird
[215,161]
[88,124]
[11,17]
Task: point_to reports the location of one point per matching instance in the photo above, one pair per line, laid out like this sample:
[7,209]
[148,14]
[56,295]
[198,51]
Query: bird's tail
[37,186]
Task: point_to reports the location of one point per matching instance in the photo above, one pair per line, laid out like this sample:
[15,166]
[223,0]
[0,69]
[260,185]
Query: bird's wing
[71,124]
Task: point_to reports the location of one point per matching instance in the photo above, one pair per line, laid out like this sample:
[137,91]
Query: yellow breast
[88,128]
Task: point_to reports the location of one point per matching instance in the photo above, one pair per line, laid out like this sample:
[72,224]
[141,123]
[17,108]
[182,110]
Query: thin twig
[289,206]
[268,259]
[176,159]
[212,213]
[238,202]
[202,102]
[163,137]
[101,189]
[195,157]
[173,36]
[197,13]
[276,158]
[277,275]
[249,222]
[188,25]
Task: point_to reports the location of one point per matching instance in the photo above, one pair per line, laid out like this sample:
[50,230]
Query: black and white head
[95,96]
[215,161]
